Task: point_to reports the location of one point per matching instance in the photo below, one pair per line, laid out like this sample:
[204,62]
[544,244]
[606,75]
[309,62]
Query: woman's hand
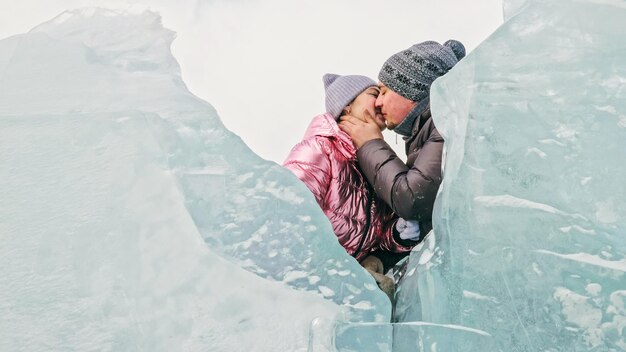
[372,263]
[374,266]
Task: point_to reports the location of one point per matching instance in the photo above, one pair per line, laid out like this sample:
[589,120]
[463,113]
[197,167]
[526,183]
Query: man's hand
[360,131]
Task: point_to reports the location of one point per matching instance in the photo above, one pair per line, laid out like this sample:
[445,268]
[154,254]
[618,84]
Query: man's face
[393,106]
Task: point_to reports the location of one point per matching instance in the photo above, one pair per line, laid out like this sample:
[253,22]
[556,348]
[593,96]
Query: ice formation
[529,243]
[128,211]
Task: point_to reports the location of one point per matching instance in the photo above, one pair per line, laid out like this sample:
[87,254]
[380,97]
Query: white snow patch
[352,289]
[326,291]
[536,151]
[337,272]
[607,108]
[255,237]
[537,270]
[370,287]
[507,200]
[551,141]
[477,296]
[314,279]
[280,192]
[122,119]
[383,346]
[622,121]
[618,304]
[585,180]
[605,212]
[615,82]
[618,311]
[294,275]
[448,326]
[606,254]
[361,305]
[433,347]
[591,259]
[411,272]
[566,132]
[567,229]
[229,226]
[427,248]
[593,289]
[577,309]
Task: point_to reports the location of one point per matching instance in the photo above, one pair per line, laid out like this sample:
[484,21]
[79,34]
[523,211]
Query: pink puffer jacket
[325,160]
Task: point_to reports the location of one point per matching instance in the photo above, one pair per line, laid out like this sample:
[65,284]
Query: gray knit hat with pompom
[411,72]
[341,90]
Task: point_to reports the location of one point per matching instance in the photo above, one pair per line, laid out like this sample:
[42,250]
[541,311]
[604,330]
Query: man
[409,188]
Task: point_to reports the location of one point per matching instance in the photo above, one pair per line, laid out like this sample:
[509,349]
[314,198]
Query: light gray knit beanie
[341,91]
[411,71]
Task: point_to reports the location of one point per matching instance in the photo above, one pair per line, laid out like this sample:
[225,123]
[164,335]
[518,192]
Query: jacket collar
[326,126]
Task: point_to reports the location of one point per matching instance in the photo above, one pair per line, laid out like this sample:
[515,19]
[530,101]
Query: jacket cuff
[403,242]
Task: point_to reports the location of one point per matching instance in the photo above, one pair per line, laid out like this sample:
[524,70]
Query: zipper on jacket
[368,219]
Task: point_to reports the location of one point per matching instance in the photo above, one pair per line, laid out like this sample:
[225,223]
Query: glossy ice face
[529,240]
[112,173]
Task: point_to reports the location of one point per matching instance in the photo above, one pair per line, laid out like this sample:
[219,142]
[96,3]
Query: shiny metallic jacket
[325,160]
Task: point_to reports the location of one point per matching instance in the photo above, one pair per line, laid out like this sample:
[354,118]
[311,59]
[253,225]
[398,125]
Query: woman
[325,160]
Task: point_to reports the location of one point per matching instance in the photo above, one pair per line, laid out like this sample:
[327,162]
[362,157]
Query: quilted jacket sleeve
[309,160]
[410,191]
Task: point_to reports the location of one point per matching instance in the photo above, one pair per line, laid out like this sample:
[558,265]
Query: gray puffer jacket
[410,189]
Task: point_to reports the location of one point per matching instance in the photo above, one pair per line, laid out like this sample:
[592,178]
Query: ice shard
[529,242]
[128,213]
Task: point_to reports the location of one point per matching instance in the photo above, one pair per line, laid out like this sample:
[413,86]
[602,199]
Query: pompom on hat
[341,90]
[411,71]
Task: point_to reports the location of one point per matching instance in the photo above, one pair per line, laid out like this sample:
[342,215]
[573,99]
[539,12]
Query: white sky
[260,62]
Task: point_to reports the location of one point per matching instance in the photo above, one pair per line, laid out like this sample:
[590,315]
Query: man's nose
[379,102]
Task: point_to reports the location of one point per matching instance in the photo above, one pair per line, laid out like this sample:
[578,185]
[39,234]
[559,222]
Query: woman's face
[365,103]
